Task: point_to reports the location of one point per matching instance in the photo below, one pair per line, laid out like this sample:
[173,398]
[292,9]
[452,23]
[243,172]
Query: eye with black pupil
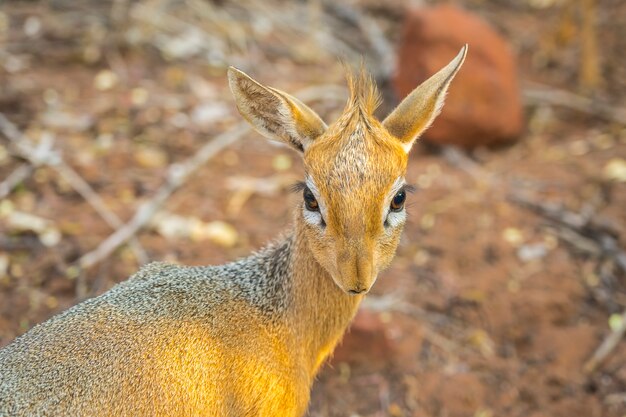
[309,201]
[397,204]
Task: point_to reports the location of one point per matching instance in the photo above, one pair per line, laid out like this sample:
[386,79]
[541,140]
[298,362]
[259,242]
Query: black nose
[359,291]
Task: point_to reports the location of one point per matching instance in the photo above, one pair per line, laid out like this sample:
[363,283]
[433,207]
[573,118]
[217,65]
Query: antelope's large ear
[418,110]
[274,113]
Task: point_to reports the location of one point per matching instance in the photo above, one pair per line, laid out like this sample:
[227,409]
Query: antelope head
[354,190]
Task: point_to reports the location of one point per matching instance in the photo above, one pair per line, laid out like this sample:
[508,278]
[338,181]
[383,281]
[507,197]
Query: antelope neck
[321,311]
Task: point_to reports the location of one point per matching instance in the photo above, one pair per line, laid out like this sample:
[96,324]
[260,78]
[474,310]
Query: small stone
[139,96]
[513,236]
[615,170]
[32,26]
[150,157]
[50,237]
[527,253]
[13,64]
[104,142]
[421,257]
[72,272]
[221,233]
[105,80]
[173,226]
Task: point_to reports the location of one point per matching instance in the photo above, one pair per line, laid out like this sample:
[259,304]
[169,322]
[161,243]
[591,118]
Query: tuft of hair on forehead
[363,92]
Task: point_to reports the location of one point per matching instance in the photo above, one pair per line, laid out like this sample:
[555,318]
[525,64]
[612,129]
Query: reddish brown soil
[486,334]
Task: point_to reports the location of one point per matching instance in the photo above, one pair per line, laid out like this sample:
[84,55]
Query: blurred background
[120,144]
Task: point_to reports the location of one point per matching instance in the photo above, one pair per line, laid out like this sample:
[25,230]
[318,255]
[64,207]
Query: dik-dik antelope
[245,338]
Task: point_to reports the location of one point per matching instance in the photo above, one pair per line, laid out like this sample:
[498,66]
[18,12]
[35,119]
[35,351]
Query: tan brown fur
[364,95]
[245,338]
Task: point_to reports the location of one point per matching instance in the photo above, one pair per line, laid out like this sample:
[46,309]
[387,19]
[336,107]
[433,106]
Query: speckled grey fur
[38,380]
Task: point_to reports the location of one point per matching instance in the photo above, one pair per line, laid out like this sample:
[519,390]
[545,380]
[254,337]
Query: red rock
[483,106]
[366,342]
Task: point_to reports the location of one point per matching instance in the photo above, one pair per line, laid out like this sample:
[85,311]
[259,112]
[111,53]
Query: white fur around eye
[313,218]
[396,218]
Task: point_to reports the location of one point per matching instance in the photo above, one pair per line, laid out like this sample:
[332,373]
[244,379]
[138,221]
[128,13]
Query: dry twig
[44,154]
[607,346]
[16,177]
[543,94]
[176,176]
[593,234]
[458,158]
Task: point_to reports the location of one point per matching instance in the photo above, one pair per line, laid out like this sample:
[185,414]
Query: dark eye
[309,200]
[397,204]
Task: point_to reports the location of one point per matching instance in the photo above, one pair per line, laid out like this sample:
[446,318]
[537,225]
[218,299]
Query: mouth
[357,291]
[352,288]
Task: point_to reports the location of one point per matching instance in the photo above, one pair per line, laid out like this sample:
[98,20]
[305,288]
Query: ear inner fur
[420,108]
[274,113]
